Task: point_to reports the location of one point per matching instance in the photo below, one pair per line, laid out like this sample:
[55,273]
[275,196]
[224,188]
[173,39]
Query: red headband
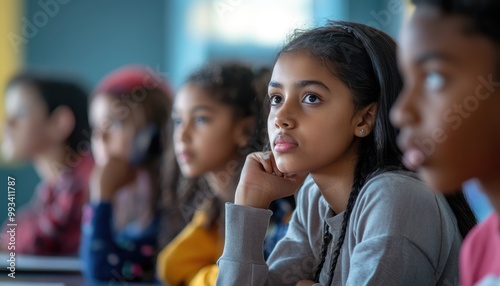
[128,79]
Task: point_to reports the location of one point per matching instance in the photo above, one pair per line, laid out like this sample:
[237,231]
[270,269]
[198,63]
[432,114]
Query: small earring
[362,133]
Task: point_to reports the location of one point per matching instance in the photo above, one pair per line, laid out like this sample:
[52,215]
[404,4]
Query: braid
[327,237]
[366,167]
[358,183]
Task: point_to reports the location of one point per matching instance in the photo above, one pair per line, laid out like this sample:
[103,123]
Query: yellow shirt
[190,259]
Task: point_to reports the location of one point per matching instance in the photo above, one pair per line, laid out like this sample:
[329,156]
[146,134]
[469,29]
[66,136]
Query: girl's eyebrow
[301,84]
[196,108]
[305,83]
[202,108]
[275,84]
[433,56]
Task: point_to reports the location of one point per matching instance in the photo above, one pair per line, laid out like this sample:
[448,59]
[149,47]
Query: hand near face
[107,179]
[261,182]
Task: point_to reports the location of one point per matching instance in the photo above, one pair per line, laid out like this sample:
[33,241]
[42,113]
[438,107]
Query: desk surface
[42,263]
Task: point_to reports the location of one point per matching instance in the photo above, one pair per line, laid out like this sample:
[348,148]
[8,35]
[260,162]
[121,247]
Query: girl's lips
[413,158]
[185,157]
[284,143]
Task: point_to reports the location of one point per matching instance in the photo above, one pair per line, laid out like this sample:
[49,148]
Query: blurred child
[130,115]
[46,123]
[215,116]
[360,218]
[449,115]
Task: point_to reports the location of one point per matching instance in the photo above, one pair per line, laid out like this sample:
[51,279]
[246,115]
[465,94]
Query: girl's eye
[434,81]
[201,120]
[177,121]
[276,99]
[311,99]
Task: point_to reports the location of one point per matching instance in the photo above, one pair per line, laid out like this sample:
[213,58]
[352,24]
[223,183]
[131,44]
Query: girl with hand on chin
[129,114]
[361,218]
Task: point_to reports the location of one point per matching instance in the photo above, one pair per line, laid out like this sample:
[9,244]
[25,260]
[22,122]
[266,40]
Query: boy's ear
[365,120]
[62,123]
[244,130]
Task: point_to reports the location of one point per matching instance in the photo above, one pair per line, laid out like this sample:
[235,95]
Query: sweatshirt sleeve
[242,262]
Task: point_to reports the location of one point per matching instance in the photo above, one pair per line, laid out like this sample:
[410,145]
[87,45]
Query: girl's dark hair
[58,91]
[237,86]
[481,14]
[364,59]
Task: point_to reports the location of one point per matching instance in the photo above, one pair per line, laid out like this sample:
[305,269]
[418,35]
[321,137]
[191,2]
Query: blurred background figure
[130,118]
[46,123]
[217,119]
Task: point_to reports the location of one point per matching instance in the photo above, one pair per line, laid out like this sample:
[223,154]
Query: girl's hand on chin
[261,182]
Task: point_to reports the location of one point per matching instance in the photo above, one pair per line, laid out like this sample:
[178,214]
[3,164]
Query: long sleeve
[242,262]
[190,258]
[128,255]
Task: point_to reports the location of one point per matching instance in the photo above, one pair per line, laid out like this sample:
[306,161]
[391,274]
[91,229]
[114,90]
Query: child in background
[46,123]
[360,218]
[130,115]
[449,115]
[215,115]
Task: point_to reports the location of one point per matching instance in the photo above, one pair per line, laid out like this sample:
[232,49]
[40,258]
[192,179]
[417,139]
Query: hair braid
[327,237]
[359,181]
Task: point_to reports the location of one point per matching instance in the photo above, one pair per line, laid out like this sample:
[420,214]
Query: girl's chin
[290,169]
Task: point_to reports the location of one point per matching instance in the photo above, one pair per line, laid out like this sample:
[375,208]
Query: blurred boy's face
[25,125]
[449,109]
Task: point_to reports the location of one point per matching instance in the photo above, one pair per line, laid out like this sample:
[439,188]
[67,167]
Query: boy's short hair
[483,15]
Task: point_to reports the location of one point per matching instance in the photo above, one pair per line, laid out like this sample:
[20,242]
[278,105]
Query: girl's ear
[62,123]
[243,131]
[365,119]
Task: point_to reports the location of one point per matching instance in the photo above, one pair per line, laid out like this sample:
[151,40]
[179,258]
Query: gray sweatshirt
[399,233]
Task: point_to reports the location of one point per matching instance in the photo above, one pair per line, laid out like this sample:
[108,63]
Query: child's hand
[107,179]
[261,182]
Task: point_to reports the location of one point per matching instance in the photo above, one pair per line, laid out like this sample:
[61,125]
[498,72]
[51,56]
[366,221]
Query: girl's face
[26,123]
[448,111]
[114,127]
[311,124]
[206,133]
